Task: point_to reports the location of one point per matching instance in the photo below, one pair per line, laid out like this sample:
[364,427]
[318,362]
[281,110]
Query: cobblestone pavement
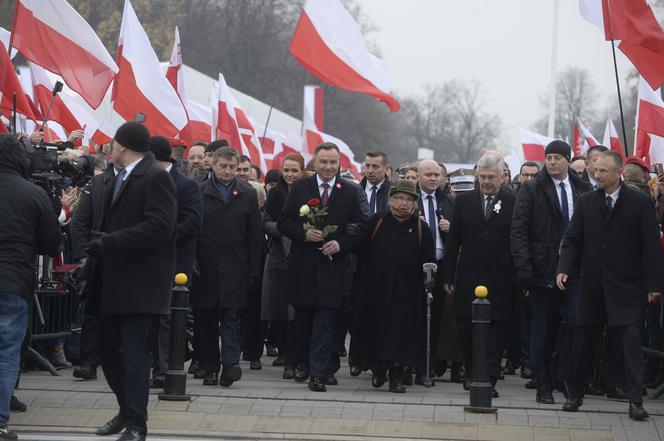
[263,406]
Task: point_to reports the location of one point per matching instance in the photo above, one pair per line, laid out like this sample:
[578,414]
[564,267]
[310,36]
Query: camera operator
[28,226]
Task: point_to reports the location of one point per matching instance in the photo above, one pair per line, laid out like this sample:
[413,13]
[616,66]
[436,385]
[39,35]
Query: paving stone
[480,418]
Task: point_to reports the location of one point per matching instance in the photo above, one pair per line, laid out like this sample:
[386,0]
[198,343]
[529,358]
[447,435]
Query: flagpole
[552,87]
[276,90]
[622,116]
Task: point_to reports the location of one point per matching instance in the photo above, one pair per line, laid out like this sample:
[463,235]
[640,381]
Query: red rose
[313,202]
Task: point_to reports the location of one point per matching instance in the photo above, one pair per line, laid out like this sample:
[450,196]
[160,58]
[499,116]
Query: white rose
[304,210]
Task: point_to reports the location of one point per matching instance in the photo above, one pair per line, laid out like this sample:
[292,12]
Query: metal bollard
[175,387]
[480,388]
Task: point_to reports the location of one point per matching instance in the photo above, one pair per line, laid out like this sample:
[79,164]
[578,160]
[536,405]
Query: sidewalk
[262,405]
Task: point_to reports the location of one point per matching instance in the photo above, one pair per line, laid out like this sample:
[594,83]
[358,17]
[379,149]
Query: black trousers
[585,339]
[496,343]
[89,341]
[158,342]
[122,346]
[317,340]
[253,333]
[284,338]
[215,323]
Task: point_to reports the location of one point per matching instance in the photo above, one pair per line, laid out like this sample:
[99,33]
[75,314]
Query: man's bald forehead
[428,163]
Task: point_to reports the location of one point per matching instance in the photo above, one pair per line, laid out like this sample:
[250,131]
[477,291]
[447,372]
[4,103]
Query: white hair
[492,160]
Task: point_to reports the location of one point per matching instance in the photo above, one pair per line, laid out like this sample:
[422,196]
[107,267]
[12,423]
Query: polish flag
[10,84]
[276,145]
[587,137]
[231,123]
[64,110]
[314,137]
[313,99]
[579,144]
[649,119]
[52,34]
[635,25]
[140,85]
[611,138]
[104,133]
[200,123]
[329,44]
[174,70]
[25,78]
[5,37]
[534,145]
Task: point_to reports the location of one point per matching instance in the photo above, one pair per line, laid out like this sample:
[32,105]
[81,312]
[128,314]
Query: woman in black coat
[274,306]
[389,319]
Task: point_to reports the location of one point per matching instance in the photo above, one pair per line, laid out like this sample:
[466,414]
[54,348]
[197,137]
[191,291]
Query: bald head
[429,175]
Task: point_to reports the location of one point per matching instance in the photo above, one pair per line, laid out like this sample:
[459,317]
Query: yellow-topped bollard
[481,291]
[181,279]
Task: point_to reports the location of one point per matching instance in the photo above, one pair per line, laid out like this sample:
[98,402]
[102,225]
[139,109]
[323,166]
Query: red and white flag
[174,70]
[534,145]
[52,34]
[314,137]
[10,84]
[583,139]
[329,44]
[5,37]
[611,139]
[635,25]
[200,123]
[276,145]
[65,110]
[649,119]
[313,100]
[231,123]
[140,85]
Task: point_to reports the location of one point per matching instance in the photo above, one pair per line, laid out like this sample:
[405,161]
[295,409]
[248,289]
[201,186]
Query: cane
[429,269]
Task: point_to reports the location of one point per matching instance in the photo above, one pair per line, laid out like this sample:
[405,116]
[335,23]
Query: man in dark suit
[436,208]
[375,183]
[188,228]
[543,210]
[592,154]
[317,264]
[479,238]
[614,239]
[133,258]
[229,262]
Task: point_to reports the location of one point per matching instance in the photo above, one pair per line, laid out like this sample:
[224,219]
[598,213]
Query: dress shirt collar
[321,182]
[128,169]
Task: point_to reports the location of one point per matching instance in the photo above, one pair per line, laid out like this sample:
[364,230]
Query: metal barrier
[54,309]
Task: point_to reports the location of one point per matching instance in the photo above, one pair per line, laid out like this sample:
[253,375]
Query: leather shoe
[15,405]
[494,392]
[532,384]
[115,425]
[212,379]
[526,373]
[637,412]
[271,350]
[157,382]
[377,380]
[572,404]
[466,384]
[230,375]
[193,367]
[407,378]
[395,385]
[355,371]
[331,380]
[545,397]
[509,369]
[132,435]
[317,384]
[301,374]
[289,373]
[455,375]
[255,365]
[279,361]
[617,393]
[85,372]
[200,373]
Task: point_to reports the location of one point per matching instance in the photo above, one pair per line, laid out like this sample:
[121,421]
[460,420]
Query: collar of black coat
[238,188]
[385,184]
[544,178]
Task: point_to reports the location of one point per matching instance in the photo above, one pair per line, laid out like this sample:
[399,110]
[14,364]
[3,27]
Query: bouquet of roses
[315,215]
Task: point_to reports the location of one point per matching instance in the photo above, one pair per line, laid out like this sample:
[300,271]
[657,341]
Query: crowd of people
[304,259]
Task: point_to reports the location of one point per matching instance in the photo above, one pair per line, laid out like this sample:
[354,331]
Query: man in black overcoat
[478,253]
[541,216]
[436,208]
[229,263]
[188,228]
[376,183]
[613,239]
[134,257]
[317,265]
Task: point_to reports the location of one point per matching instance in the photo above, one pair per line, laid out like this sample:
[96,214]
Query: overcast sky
[505,45]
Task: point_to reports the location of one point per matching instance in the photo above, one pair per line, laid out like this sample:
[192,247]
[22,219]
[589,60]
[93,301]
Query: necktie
[372,200]
[119,179]
[433,225]
[487,209]
[326,194]
[564,208]
[609,202]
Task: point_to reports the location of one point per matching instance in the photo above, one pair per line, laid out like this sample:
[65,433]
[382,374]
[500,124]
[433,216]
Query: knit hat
[161,148]
[637,161]
[405,186]
[272,176]
[559,147]
[215,145]
[134,136]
